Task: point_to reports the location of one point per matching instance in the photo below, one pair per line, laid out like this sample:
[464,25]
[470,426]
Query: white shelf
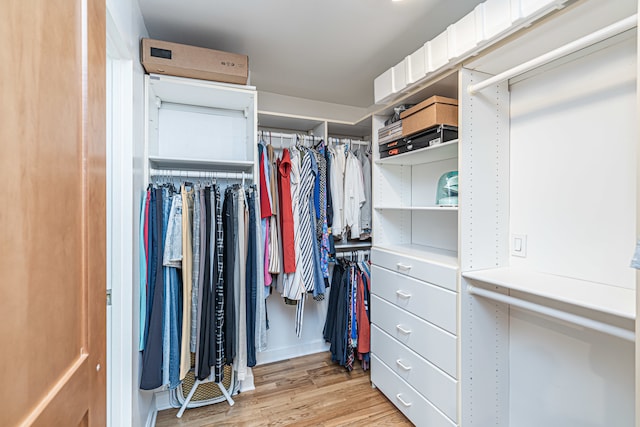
[202,93]
[418,208]
[345,247]
[435,255]
[595,296]
[435,153]
[201,164]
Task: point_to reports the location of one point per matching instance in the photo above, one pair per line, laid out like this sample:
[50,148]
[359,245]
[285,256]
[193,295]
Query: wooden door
[52,213]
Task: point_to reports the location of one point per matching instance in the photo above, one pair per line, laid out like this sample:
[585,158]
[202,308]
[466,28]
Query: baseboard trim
[284,353]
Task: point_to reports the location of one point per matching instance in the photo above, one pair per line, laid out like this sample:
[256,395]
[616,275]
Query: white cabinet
[196,125]
[414,277]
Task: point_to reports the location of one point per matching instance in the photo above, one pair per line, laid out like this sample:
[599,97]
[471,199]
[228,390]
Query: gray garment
[195,286]
[203,244]
[365,209]
[172,256]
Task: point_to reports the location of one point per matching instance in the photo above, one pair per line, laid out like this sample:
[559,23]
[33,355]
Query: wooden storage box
[195,62]
[436,110]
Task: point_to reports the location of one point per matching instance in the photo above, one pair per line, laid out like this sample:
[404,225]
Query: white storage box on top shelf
[383,86]
[488,23]
[465,34]
[400,76]
[438,52]
[200,125]
[417,65]
[496,17]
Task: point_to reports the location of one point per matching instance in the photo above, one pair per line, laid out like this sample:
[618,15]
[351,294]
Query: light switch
[519,245]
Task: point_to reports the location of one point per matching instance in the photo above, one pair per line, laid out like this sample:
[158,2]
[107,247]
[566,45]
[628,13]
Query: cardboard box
[195,62]
[436,110]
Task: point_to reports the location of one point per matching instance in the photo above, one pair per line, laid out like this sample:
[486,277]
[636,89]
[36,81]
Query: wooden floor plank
[305,391]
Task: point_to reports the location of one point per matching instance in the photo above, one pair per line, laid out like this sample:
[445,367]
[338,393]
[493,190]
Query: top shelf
[435,153]
[200,164]
[180,90]
[595,296]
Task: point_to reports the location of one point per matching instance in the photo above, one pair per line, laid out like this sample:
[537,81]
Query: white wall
[573,151]
[573,193]
[125,24]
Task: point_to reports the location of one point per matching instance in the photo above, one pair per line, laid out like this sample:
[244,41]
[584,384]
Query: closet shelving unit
[324,128]
[195,125]
[548,327]
[200,129]
[283,125]
[414,303]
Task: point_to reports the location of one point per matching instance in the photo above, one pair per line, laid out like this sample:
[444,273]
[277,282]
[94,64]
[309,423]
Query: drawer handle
[403,294]
[402,365]
[405,267]
[403,330]
[404,402]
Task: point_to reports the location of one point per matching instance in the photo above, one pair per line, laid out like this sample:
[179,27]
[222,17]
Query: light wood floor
[306,391]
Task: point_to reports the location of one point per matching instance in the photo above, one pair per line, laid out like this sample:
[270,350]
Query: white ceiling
[325,50]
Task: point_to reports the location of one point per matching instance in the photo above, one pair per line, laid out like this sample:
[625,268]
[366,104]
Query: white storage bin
[497,18]
[383,87]
[437,52]
[464,35]
[399,76]
[530,8]
[416,65]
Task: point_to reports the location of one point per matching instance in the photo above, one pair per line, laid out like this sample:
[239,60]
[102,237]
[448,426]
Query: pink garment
[267,275]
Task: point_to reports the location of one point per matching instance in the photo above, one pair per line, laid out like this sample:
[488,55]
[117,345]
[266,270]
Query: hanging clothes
[275,262]
[230,244]
[347,326]
[337,170]
[151,375]
[286,214]
[204,348]
[322,228]
[195,282]
[354,196]
[143,262]
[187,276]
[365,210]
[251,281]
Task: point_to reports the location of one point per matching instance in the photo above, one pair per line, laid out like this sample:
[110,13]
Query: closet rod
[200,174]
[267,133]
[348,141]
[555,313]
[574,46]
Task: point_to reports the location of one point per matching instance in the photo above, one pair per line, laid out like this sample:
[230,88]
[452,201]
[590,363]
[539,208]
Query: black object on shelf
[433,136]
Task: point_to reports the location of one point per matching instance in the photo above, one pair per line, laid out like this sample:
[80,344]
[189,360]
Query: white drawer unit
[431,342]
[434,384]
[433,272]
[432,303]
[413,405]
